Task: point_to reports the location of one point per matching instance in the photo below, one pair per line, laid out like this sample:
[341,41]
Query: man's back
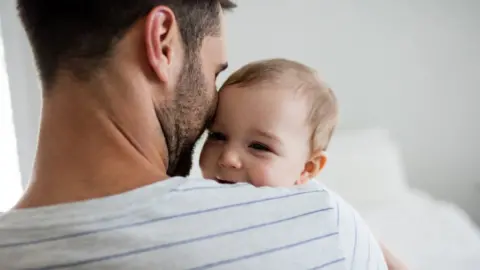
[185,223]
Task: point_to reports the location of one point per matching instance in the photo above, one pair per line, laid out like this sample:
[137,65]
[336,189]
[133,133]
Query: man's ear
[313,167]
[160,36]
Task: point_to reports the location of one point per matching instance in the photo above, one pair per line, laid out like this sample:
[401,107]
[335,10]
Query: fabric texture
[187,223]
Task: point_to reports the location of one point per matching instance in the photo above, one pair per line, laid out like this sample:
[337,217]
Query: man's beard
[184,120]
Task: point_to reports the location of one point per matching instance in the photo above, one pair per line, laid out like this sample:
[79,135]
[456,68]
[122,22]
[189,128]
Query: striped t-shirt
[185,223]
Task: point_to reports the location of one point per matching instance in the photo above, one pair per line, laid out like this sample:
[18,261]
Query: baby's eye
[216,136]
[260,147]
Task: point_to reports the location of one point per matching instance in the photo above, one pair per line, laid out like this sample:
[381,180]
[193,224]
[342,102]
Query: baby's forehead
[263,91]
[284,87]
[263,102]
[272,84]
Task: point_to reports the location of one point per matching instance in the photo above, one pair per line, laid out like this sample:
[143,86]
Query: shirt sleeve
[360,248]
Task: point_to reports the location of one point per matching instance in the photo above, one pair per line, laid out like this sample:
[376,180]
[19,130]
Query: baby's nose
[230,159]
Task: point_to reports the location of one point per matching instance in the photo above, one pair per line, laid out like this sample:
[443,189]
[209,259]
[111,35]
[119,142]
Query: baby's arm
[393,262]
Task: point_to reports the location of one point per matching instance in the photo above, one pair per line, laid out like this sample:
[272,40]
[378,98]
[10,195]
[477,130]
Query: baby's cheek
[286,173]
[203,159]
[270,174]
[260,177]
[207,161]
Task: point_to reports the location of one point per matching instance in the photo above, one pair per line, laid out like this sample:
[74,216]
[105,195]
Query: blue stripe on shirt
[225,186]
[183,242]
[265,252]
[328,264]
[210,187]
[124,226]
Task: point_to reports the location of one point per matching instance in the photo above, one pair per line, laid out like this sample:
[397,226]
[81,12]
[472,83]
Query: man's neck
[95,141]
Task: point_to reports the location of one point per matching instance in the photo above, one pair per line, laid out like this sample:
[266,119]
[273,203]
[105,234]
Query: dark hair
[78,35]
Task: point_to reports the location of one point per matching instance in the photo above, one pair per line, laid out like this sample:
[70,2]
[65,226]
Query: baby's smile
[221,181]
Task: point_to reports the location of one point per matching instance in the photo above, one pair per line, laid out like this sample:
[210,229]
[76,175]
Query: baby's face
[260,135]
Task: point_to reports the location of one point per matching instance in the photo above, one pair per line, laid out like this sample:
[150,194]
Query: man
[128,87]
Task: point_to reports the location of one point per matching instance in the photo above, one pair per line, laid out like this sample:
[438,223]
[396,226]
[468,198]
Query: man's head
[173,50]
[273,123]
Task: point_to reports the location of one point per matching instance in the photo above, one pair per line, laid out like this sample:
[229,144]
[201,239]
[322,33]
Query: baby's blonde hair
[323,113]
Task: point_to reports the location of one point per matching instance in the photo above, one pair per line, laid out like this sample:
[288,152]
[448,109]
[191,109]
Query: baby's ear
[313,166]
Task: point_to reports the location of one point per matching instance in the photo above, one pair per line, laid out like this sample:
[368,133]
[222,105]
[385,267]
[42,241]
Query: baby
[273,124]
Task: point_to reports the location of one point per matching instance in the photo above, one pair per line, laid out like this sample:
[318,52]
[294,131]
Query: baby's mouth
[221,181]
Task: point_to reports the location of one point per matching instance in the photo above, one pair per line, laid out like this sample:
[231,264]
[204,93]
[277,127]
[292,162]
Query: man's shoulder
[179,194]
[210,193]
[194,186]
[185,216]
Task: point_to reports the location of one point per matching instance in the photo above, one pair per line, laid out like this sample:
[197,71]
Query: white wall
[10,178]
[411,66]
[25,94]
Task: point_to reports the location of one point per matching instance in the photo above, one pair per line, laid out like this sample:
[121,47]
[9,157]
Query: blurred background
[407,75]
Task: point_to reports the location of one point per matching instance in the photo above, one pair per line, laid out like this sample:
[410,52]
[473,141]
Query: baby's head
[272,126]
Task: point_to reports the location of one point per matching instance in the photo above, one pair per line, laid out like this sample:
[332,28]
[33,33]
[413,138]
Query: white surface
[426,233]
[25,90]
[366,169]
